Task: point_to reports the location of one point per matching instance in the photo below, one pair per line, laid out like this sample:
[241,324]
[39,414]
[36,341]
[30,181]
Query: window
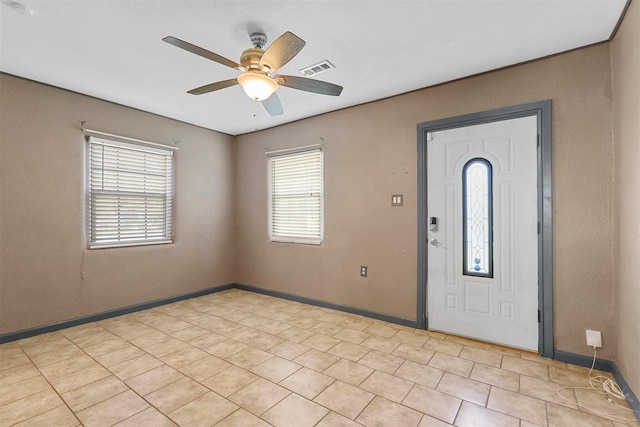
[130,193]
[477,218]
[296,201]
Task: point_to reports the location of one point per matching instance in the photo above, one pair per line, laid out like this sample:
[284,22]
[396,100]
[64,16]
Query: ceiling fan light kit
[257,66]
[257,86]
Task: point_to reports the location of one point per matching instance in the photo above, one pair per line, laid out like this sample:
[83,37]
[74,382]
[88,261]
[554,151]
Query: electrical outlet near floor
[594,338]
[363,270]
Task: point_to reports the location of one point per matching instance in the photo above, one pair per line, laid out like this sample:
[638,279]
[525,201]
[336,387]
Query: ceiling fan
[258,66]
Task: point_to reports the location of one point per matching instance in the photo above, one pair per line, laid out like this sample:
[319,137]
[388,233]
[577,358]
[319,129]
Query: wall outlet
[363,270]
[594,338]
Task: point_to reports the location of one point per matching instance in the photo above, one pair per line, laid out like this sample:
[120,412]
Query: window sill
[128,245]
[298,241]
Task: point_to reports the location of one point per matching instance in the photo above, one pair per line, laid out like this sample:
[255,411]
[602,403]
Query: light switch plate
[396,200]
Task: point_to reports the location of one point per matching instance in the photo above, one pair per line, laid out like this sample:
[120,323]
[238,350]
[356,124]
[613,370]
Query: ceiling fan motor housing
[250,60]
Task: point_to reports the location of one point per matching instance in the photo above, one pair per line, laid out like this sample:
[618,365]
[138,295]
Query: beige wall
[47,274]
[625,60]
[371,153]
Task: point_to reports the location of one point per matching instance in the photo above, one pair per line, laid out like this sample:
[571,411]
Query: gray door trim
[542,110]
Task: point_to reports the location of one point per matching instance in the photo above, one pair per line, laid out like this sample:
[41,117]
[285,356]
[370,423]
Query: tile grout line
[110,373]
[64,402]
[335,322]
[120,379]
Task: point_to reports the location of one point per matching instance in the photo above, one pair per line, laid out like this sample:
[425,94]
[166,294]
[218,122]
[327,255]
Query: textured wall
[625,60]
[46,273]
[371,153]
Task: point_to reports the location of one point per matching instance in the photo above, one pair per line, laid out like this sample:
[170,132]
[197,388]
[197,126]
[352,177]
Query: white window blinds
[130,194]
[296,201]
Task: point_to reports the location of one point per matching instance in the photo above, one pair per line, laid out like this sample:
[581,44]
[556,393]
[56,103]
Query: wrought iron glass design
[477,218]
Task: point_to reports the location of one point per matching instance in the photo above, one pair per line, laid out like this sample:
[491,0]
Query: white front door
[482,256]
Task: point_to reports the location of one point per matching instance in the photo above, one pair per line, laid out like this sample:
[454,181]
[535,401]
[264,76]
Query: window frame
[465,257]
[98,138]
[288,153]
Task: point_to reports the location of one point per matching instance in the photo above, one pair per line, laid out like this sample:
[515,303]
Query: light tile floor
[237,358]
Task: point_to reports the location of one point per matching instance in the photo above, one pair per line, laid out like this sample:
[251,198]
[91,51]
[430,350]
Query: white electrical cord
[602,385]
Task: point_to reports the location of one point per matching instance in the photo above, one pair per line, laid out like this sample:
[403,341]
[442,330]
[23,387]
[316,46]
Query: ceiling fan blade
[282,50]
[273,105]
[308,85]
[213,86]
[202,52]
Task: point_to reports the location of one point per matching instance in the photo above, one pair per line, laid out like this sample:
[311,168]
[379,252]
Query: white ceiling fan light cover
[257,86]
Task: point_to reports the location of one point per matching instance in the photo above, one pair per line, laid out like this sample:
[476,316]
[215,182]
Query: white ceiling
[114,50]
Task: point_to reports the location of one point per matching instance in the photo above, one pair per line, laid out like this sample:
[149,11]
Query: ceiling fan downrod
[259,40]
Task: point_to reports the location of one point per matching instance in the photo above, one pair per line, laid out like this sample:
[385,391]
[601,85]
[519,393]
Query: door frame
[542,110]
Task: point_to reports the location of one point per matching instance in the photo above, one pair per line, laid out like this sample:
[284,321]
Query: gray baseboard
[581,360]
[602,365]
[26,333]
[562,356]
[319,303]
[52,327]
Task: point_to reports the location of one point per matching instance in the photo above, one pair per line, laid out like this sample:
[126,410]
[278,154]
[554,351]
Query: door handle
[434,242]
